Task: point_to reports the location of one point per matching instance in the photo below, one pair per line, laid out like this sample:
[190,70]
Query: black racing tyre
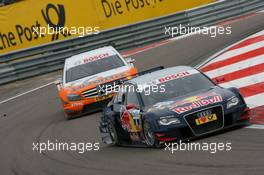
[150,135]
[113,133]
[68,117]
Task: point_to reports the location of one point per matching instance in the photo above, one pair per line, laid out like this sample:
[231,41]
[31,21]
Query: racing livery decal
[130,121]
[196,102]
[173,77]
[160,106]
[96,57]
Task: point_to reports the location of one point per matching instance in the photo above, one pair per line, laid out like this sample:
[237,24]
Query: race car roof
[150,77]
[89,56]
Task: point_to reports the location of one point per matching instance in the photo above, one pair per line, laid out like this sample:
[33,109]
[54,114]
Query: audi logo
[204,113]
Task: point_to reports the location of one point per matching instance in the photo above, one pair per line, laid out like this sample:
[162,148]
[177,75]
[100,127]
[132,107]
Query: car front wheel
[150,136]
[113,133]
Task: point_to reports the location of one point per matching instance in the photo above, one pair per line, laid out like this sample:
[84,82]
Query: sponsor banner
[32,23]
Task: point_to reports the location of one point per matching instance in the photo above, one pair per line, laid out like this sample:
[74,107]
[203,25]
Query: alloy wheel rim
[149,135]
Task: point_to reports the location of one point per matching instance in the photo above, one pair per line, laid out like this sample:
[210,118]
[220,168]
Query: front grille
[90,93]
[206,127]
[102,90]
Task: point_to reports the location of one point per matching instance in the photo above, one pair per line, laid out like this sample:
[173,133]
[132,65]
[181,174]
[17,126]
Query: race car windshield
[94,67]
[176,88]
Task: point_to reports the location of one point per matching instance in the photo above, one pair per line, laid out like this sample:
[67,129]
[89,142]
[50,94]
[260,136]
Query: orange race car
[82,89]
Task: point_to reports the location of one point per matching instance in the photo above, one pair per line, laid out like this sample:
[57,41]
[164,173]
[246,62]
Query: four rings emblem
[204,113]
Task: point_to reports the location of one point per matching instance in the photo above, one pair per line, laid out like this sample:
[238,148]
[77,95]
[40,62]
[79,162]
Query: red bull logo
[195,102]
[125,120]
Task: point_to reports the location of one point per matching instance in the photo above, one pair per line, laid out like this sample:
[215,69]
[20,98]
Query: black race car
[169,105]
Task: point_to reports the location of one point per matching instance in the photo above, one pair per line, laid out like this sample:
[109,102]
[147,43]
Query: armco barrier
[39,60]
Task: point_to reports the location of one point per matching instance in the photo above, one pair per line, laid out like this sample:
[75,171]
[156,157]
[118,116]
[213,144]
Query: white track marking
[254,126]
[216,55]
[182,36]
[239,51]
[24,93]
[245,81]
[236,66]
[192,33]
[255,100]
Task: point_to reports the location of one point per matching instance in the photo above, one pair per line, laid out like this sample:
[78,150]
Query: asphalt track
[38,117]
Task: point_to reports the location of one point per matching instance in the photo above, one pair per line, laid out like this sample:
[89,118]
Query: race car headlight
[168,120]
[74,97]
[232,102]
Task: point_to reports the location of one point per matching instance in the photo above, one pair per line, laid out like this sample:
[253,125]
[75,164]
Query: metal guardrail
[50,57]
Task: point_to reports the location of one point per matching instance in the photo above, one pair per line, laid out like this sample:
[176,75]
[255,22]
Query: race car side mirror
[130,106]
[130,60]
[58,83]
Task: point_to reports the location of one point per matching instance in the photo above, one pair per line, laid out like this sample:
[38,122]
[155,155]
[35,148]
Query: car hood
[99,78]
[181,106]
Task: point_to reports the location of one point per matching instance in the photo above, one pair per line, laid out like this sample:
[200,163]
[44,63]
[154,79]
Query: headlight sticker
[233,101]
